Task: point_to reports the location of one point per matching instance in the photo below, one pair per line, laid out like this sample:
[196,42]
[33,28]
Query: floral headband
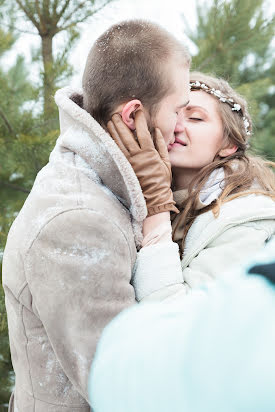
[235,106]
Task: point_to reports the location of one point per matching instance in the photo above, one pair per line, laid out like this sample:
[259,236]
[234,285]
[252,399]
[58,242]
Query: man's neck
[182,177]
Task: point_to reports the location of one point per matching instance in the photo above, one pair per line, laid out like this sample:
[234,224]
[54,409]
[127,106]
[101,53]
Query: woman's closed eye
[195,118]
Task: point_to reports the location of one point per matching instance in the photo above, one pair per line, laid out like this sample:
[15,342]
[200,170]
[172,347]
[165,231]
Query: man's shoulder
[52,225]
[59,201]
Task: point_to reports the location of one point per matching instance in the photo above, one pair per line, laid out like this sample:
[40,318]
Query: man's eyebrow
[184,104]
[197,107]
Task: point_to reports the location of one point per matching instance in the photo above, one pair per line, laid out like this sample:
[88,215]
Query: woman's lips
[177,144]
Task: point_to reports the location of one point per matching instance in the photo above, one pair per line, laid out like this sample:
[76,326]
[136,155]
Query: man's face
[168,118]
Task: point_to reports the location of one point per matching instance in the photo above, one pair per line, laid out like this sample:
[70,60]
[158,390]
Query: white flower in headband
[236,107]
[224,99]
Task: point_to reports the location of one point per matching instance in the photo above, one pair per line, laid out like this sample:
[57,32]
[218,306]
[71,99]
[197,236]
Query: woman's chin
[176,160]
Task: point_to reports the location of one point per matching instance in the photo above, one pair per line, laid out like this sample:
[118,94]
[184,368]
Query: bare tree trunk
[48,76]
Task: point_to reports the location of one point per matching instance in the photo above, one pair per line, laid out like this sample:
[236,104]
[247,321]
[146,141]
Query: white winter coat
[68,263]
[213,246]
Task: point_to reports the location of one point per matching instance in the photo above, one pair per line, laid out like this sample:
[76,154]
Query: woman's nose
[180,125]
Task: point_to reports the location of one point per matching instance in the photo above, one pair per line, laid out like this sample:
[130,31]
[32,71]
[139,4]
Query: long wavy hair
[244,173]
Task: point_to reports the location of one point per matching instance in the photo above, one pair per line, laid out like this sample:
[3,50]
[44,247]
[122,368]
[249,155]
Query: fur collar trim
[81,134]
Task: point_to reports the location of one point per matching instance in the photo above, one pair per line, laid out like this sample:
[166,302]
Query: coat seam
[27,352]
[250,225]
[29,368]
[22,287]
[59,404]
[78,182]
[76,209]
[224,226]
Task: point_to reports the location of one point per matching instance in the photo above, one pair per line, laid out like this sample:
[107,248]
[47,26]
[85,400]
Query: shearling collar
[81,134]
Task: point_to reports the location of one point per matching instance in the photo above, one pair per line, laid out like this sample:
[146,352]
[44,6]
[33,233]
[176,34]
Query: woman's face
[201,136]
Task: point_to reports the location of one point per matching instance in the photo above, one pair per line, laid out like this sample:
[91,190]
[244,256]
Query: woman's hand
[149,158]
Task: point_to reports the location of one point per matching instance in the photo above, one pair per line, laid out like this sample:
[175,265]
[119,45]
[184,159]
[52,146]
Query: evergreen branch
[46,9]
[80,6]
[7,123]
[26,32]
[206,61]
[102,6]
[39,126]
[86,16]
[28,14]
[54,11]
[38,11]
[235,45]
[64,8]
[4,361]
[10,27]
[72,24]
[46,5]
[14,187]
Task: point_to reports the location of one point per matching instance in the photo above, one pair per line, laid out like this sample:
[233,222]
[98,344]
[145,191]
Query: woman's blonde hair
[244,174]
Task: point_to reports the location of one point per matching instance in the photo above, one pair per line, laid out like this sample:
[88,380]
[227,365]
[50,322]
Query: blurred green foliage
[234,41]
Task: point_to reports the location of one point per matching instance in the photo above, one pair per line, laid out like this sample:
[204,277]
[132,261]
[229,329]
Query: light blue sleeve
[212,352]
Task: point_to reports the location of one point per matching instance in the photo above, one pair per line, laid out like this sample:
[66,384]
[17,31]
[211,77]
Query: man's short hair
[129,61]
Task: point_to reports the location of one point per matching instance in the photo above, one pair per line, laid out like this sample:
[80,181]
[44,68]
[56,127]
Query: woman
[225,197]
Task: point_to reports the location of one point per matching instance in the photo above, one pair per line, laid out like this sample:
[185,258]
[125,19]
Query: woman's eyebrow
[196,107]
[183,105]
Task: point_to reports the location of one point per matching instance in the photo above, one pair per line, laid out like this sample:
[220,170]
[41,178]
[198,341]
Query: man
[71,250]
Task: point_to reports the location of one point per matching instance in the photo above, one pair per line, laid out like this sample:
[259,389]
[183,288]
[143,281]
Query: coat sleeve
[79,271]
[233,247]
[157,267]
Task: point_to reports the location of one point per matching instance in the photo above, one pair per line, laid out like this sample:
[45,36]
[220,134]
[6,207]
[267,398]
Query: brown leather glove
[149,158]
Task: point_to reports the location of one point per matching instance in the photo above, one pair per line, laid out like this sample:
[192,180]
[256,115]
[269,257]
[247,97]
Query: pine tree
[234,41]
[50,18]
[9,123]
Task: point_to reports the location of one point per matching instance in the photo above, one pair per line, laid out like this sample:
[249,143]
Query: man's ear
[128,113]
[227,151]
